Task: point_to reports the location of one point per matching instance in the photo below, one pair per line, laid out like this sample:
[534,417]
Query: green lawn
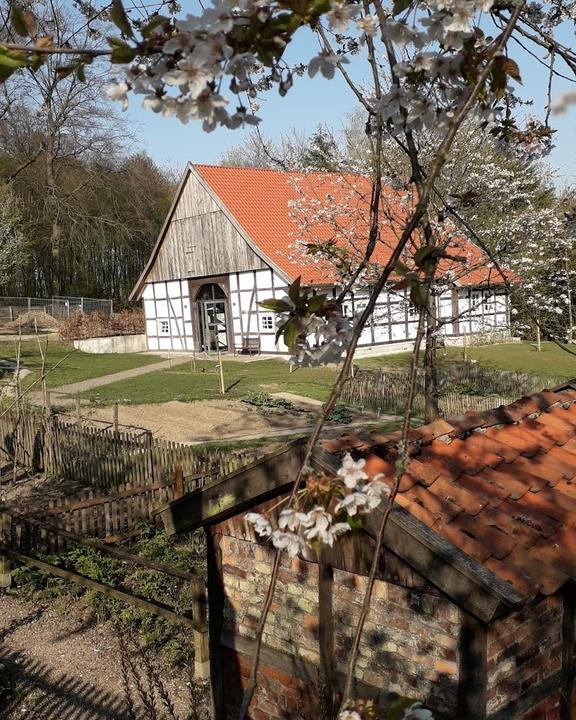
[244,379]
[552,361]
[241,380]
[74,365]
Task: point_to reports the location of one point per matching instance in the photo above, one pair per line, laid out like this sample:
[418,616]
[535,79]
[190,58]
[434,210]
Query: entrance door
[212,314]
[213,325]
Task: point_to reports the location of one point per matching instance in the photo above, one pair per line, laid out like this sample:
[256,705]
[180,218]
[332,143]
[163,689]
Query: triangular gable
[200,238]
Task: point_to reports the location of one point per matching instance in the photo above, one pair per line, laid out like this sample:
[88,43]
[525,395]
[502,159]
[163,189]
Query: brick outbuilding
[474,607]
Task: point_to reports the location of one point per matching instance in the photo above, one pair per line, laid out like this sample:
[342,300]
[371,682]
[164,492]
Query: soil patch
[204,420]
[56,664]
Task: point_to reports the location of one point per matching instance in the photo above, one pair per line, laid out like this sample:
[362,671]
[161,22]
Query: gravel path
[55,665]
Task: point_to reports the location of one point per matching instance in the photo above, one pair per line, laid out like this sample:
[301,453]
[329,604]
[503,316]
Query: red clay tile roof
[500,486]
[262,202]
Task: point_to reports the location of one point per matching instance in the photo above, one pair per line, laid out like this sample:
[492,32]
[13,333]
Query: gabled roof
[275,211]
[272,206]
[488,499]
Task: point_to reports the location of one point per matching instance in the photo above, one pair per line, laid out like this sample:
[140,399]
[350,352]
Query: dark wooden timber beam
[472,669]
[215,620]
[568,666]
[253,484]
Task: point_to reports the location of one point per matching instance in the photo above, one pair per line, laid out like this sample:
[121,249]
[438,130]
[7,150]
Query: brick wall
[409,647]
[523,650]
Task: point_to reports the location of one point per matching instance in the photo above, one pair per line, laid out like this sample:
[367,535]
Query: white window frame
[267,322]
[163,328]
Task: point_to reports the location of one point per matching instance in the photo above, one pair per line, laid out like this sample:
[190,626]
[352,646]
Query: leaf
[19,21]
[44,42]
[294,290]
[355,521]
[316,303]
[121,55]
[400,5]
[120,19]
[512,70]
[150,26]
[401,269]
[291,332]
[63,71]
[9,61]
[277,306]
[422,254]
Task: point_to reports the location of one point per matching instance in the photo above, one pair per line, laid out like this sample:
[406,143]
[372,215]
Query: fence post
[115,416]
[78,411]
[29,304]
[81,304]
[5,541]
[201,649]
[178,482]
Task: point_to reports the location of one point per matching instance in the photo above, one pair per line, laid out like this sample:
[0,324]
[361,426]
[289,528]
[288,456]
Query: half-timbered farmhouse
[234,236]
[474,606]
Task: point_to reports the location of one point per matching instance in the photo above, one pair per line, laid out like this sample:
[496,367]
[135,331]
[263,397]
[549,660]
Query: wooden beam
[113,552]
[326,635]
[150,606]
[463,580]
[5,542]
[215,621]
[253,484]
[568,666]
[472,669]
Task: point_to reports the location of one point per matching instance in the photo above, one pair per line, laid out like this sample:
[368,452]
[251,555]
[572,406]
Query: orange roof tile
[269,206]
[499,488]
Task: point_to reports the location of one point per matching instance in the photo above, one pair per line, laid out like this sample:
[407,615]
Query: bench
[250,346]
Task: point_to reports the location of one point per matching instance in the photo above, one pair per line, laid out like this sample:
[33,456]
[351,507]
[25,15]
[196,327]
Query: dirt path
[56,666]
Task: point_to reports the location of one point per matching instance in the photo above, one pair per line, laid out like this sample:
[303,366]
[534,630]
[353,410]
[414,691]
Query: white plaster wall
[168,302]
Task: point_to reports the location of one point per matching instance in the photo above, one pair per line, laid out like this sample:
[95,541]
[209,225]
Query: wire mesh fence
[59,307]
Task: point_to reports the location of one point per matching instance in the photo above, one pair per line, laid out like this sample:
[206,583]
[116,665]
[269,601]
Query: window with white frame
[266,322]
[163,327]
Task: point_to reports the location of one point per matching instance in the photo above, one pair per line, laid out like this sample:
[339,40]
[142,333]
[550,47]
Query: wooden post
[178,482]
[5,541]
[216,621]
[115,416]
[568,626]
[538,339]
[464,346]
[200,620]
[78,410]
[221,371]
[193,362]
[326,633]
[473,674]
[47,401]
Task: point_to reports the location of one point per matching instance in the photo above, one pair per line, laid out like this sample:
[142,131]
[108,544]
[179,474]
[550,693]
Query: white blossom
[351,471]
[261,525]
[325,64]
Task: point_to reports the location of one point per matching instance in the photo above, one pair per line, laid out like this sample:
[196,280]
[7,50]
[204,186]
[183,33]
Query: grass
[523,357]
[245,379]
[241,380]
[74,366]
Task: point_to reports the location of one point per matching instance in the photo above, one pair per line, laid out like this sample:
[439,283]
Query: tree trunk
[431,407]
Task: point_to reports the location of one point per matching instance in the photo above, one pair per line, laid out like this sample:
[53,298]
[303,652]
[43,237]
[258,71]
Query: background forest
[79,211]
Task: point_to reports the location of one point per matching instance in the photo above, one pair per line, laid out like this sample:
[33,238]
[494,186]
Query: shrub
[80,326]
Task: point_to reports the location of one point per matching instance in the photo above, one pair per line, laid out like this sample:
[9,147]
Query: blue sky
[314,101]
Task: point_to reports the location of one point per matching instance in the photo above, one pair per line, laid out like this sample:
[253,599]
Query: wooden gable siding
[200,240]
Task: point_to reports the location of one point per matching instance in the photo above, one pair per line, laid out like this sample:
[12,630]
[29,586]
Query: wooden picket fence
[463,386]
[386,393]
[105,457]
[32,542]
